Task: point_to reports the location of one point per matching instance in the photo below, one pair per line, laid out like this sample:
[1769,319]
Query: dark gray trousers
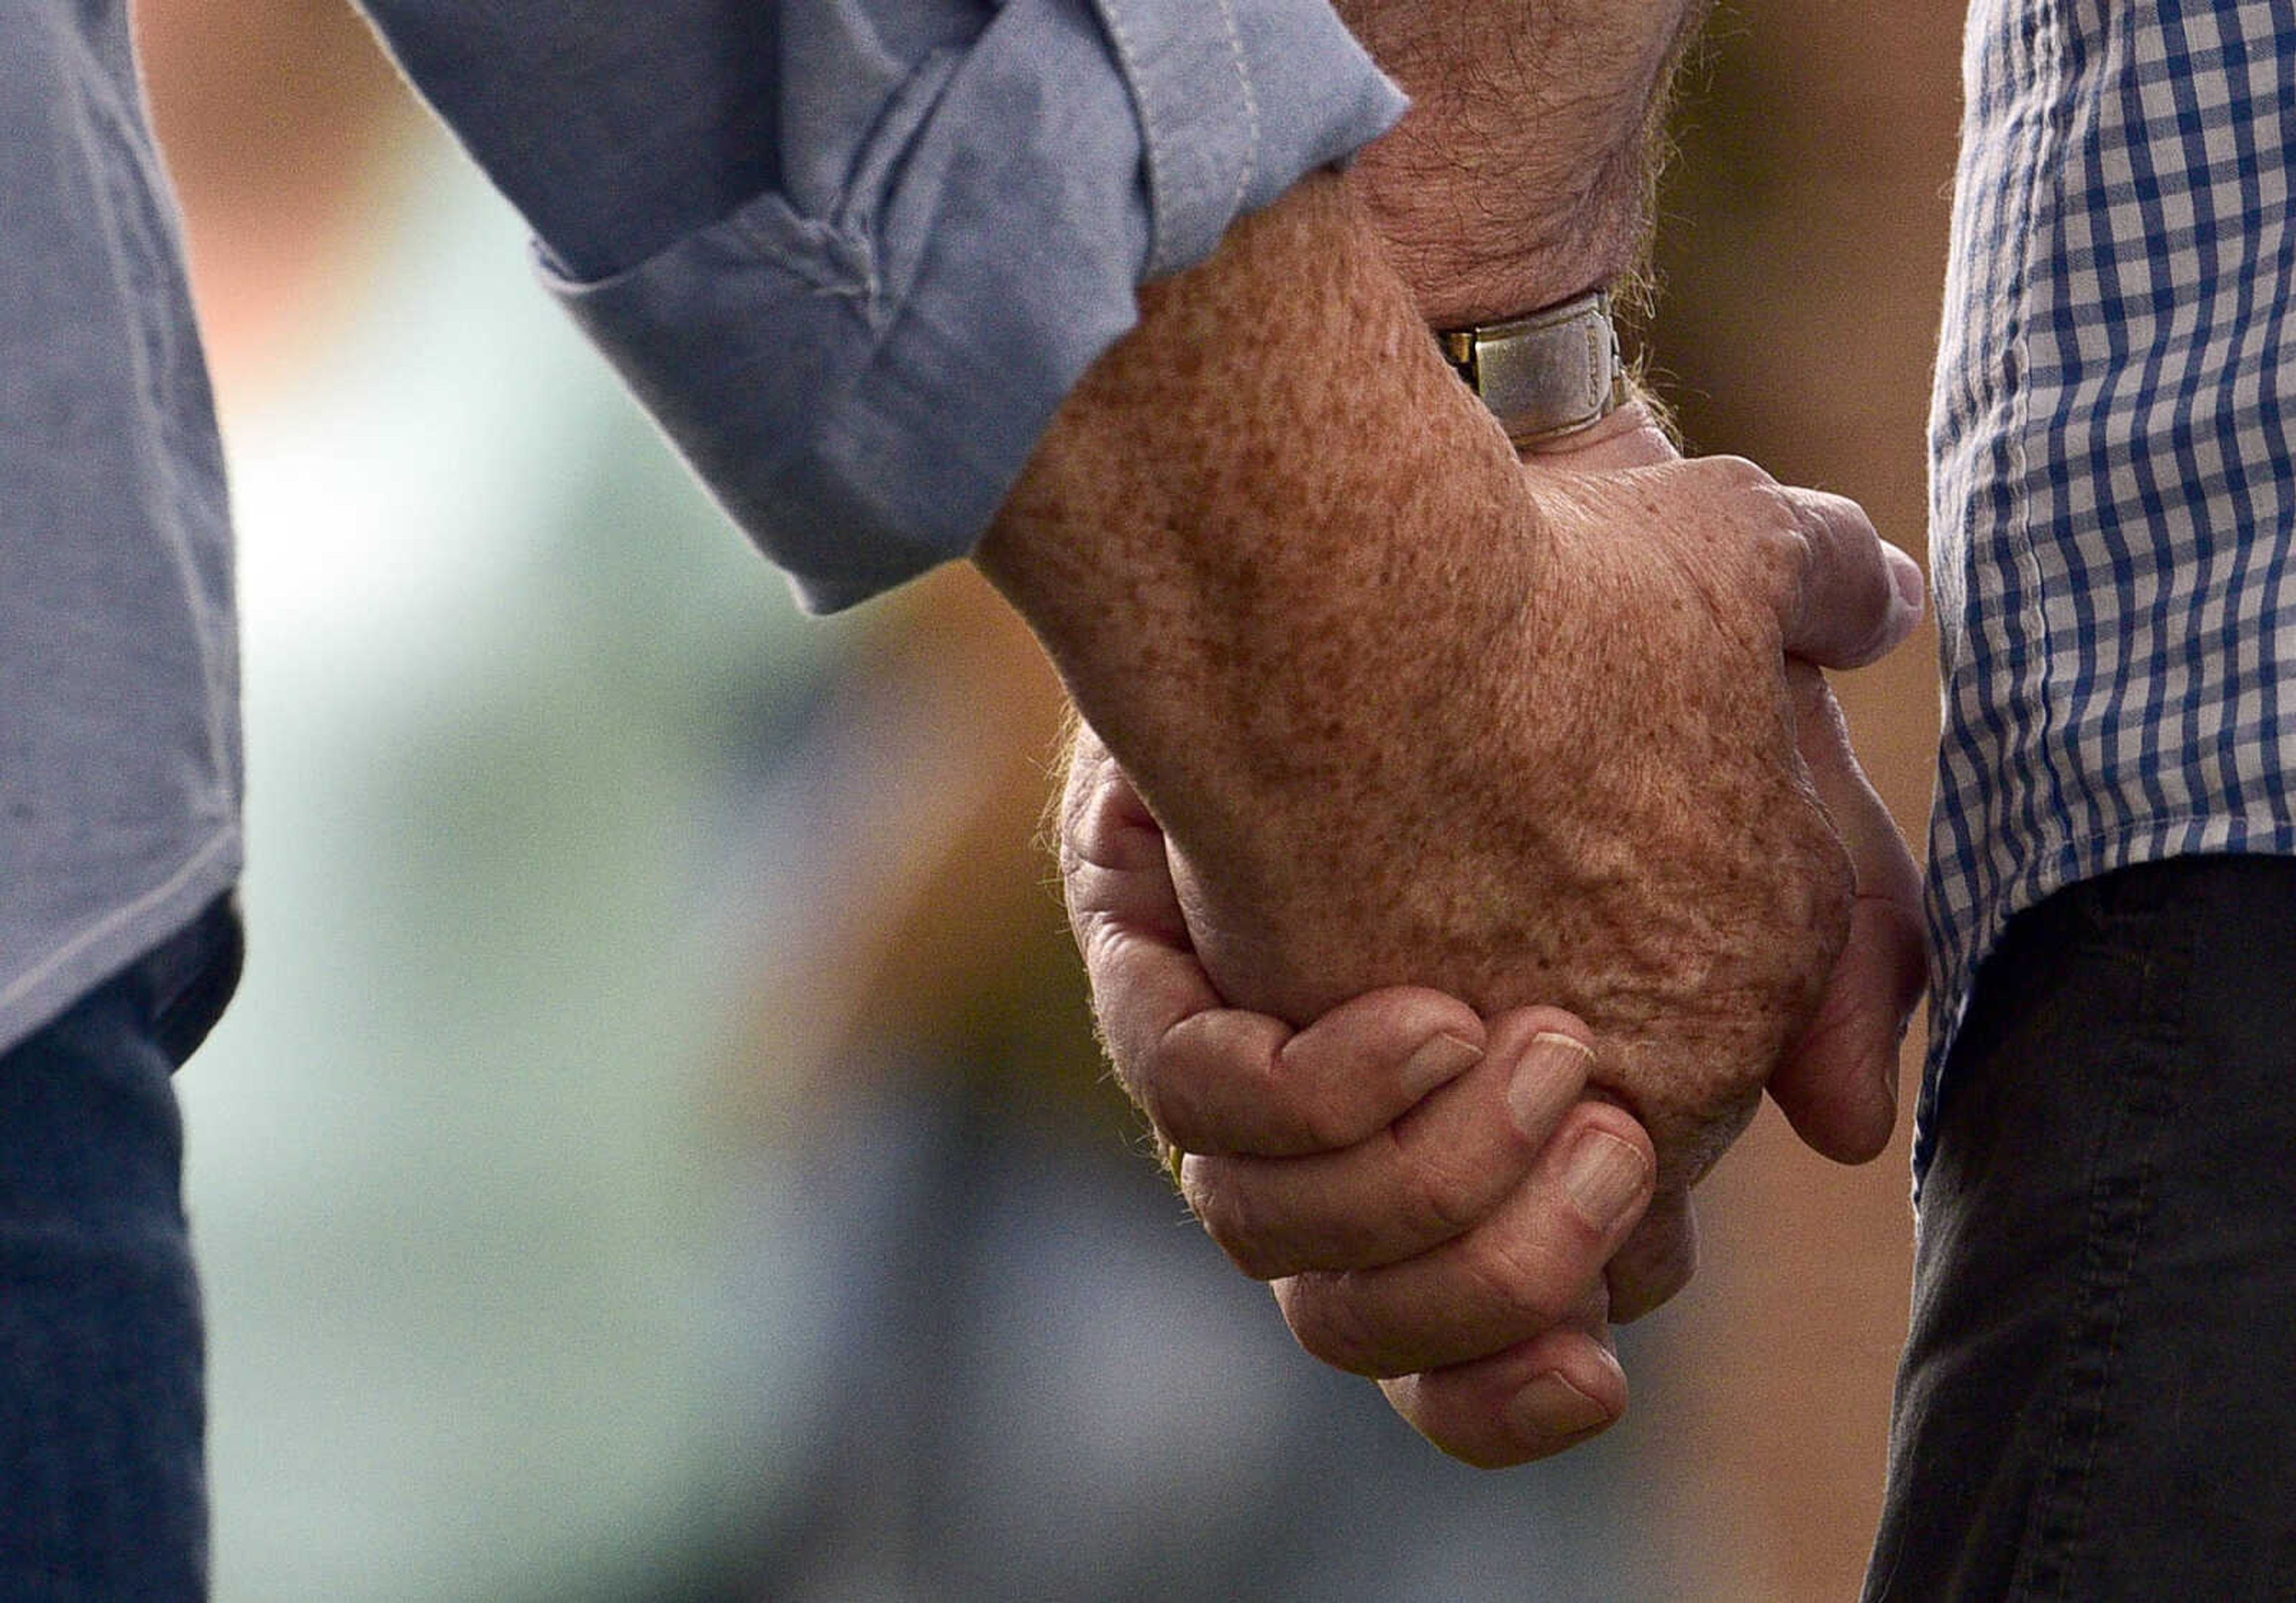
[2098,1396]
[103,1482]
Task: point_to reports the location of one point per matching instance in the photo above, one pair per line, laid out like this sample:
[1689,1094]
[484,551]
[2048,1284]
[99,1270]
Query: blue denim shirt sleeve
[853,253]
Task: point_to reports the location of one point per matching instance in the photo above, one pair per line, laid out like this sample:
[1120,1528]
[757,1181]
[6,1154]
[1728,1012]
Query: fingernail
[1604,1177]
[1439,1060]
[1551,1406]
[1548,1080]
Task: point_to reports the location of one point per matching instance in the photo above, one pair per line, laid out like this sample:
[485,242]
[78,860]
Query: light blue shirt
[851,253]
[119,764]
[2113,497]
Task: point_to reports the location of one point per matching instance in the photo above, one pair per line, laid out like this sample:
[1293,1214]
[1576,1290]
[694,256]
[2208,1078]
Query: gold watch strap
[1548,374]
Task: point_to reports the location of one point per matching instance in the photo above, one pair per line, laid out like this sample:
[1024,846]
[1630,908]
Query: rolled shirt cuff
[860,388]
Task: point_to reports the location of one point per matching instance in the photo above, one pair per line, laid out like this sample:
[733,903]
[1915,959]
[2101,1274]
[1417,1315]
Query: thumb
[1838,1086]
[1860,596]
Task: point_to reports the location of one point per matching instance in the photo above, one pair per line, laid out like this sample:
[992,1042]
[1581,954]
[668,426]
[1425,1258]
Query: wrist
[1219,534]
[1521,175]
[1539,258]
[1547,375]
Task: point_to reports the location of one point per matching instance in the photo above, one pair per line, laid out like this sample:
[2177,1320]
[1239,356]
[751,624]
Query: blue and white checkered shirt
[2113,495]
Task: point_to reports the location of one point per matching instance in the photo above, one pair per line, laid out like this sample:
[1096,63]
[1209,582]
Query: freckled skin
[1411,711]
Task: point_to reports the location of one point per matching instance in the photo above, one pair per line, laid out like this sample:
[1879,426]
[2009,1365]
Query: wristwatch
[1548,374]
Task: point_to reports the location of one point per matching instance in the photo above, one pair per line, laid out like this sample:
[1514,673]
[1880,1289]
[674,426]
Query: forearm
[1522,174]
[1237,511]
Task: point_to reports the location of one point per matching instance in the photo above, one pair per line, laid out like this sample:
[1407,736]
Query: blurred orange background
[1801,258]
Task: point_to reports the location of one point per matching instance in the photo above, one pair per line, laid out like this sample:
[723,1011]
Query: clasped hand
[1447,1038]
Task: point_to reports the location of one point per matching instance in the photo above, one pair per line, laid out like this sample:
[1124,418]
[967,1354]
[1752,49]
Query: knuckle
[1723,472]
[1169,1108]
[1099,933]
[1231,1212]
[1503,1296]
[1737,478]
[1784,550]
[1079,786]
[1124,1068]
[1516,1282]
[1328,1115]
[1321,1126]
[1326,1320]
[1457,1415]
[1443,1194]
[1204,1089]
[1086,801]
